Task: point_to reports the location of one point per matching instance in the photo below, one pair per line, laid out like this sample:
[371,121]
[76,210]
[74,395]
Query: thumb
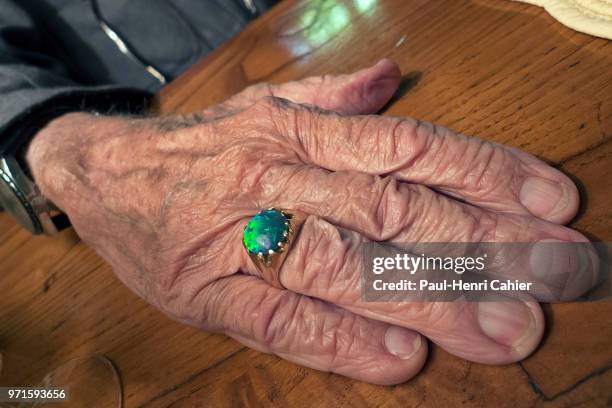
[362,92]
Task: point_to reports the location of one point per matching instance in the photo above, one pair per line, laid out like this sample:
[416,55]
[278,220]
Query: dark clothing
[62,55]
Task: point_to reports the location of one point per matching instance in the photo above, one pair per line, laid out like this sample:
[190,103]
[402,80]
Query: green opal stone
[265,230]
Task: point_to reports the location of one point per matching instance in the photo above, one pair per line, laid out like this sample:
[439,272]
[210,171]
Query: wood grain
[502,70]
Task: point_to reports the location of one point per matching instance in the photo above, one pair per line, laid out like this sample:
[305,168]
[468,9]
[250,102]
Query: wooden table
[505,71]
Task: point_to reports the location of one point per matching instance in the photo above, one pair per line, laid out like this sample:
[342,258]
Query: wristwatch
[21,198]
[19,195]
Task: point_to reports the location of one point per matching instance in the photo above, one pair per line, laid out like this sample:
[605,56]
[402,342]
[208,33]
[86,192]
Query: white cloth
[588,16]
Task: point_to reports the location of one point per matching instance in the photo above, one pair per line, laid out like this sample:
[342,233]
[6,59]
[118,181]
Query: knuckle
[272,116]
[431,143]
[398,135]
[329,260]
[398,142]
[493,227]
[264,112]
[255,176]
[456,161]
[437,314]
[334,331]
[277,182]
[478,227]
[488,168]
[426,314]
[391,209]
[410,138]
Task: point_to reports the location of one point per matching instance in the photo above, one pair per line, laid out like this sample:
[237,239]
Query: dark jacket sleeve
[36,85]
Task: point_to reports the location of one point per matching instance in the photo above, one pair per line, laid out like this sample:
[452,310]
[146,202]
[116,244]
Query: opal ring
[267,237]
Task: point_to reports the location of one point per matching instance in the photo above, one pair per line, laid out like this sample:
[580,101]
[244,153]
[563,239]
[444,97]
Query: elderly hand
[165,201]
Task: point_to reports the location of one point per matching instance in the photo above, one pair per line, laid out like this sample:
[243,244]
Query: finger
[363,92]
[310,332]
[325,262]
[482,173]
[384,209]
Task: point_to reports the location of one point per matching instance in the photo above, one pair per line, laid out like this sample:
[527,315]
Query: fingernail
[542,197]
[569,269]
[510,323]
[401,342]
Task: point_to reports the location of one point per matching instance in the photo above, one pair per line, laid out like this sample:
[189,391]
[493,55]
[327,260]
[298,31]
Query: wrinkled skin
[164,201]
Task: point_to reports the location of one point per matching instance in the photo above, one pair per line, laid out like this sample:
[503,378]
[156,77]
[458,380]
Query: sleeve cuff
[22,127]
